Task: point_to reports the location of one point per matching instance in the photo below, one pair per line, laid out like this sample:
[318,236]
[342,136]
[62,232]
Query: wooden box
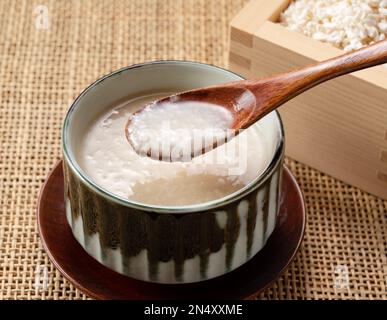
[339,127]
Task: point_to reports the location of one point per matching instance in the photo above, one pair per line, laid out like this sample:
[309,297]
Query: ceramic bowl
[179,244]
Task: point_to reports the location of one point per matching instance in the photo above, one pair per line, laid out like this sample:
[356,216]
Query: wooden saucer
[99,282]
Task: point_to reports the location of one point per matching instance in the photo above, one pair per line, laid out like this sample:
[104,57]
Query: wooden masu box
[339,127]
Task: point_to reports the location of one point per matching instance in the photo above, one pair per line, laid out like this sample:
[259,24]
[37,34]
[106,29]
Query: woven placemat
[51,50]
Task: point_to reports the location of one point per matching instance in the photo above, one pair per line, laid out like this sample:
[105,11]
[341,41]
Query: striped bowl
[167,244]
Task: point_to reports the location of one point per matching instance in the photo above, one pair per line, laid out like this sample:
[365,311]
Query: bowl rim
[205,206]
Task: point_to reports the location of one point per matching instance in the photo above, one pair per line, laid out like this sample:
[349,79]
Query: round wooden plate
[99,282]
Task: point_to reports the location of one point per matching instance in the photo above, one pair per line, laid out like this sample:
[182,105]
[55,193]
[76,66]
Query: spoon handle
[286,86]
[366,57]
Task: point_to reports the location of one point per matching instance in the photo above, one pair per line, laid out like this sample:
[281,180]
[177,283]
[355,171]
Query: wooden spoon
[249,100]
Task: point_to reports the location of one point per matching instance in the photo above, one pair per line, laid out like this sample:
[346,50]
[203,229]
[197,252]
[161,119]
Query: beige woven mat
[43,66]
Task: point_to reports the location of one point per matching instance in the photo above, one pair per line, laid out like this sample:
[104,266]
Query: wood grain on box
[383,155]
[339,127]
